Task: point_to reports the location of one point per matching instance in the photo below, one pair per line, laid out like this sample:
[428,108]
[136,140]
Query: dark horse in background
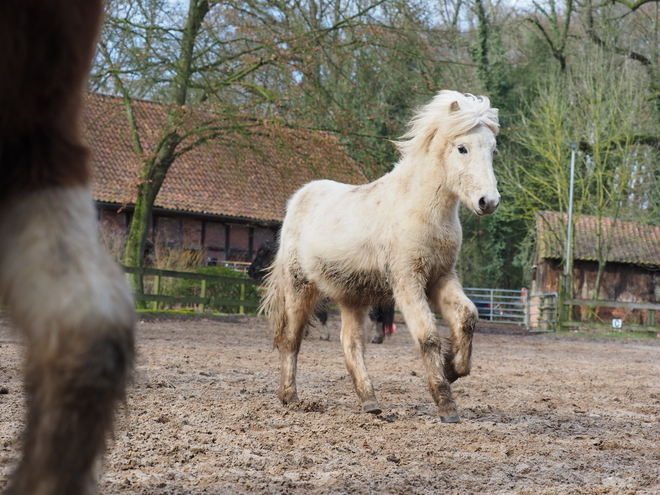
[382,316]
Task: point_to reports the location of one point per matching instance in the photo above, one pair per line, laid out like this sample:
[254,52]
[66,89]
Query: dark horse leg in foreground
[63,291]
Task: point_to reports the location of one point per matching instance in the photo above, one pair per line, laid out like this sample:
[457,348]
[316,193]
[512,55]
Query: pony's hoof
[377,340]
[450,419]
[372,409]
[288,398]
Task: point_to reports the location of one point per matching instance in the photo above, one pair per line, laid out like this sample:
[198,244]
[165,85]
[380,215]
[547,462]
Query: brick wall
[260,236]
[112,221]
[168,230]
[192,233]
[239,243]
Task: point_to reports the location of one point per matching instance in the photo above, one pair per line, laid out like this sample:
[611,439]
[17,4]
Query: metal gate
[542,312]
[536,312]
[498,305]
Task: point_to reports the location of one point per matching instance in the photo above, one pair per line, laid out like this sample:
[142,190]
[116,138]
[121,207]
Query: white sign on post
[617,323]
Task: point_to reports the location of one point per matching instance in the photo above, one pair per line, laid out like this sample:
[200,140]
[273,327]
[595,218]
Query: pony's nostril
[488,206]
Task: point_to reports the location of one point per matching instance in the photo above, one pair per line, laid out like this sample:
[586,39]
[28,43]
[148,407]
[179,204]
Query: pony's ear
[454,107]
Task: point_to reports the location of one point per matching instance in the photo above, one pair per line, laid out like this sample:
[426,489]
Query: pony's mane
[436,116]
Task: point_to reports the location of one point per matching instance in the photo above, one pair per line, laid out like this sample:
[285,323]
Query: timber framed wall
[221,238]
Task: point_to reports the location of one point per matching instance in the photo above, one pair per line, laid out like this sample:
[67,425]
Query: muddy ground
[542,414]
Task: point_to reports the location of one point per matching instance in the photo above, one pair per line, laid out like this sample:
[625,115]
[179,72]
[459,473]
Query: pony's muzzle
[488,205]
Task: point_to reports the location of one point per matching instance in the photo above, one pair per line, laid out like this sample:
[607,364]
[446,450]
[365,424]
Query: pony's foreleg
[352,342]
[71,300]
[421,322]
[462,316]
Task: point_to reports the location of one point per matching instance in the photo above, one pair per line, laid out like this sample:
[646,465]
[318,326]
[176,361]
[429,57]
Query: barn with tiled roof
[632,271]
[226,196]
[630,242]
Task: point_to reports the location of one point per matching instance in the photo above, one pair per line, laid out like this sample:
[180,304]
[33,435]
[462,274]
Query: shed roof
[245,176]
[632,242]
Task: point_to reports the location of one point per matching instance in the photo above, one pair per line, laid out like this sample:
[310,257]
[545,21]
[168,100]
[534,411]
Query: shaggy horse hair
[354,246]
[63,291]
[384,315]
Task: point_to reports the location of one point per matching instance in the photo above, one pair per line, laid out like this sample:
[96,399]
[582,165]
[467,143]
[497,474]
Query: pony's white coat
[395,238]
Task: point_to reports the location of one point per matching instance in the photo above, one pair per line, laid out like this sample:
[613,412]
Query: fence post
[561,314]
[154,304]
[241,309]
[526,303]
[202,307]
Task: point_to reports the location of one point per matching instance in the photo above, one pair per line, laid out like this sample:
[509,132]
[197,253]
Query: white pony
[395,239]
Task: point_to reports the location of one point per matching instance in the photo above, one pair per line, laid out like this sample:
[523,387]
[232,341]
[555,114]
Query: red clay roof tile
[631,242]
[236,176]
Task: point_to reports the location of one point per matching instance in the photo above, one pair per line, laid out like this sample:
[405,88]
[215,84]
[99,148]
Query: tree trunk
[153,175]
[154,169]
[480,51]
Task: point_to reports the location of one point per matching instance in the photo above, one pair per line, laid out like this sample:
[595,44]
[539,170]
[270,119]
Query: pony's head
[458,130]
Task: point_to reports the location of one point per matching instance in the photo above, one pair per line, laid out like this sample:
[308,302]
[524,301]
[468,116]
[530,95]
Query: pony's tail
[273,304]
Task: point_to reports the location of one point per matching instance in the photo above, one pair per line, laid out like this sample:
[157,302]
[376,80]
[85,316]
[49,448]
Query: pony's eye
[462,149]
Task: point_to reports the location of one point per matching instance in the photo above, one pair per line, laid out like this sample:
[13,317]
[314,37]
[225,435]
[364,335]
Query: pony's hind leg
[421,322]
[462,316]
[353,344]
[70,299]
[298,309]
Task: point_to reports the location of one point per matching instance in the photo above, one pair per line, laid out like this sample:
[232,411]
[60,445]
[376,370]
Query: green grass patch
[216,291]
[603,335]
[165,312]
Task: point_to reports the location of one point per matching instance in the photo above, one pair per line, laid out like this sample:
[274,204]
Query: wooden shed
[224,197]
[632,271]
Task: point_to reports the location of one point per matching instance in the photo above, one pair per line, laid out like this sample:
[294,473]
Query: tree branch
[128,102]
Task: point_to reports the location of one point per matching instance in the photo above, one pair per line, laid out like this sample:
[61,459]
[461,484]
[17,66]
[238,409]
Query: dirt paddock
[541,415]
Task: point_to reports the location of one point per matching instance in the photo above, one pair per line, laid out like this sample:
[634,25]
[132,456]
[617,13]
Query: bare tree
[554,24]
[601,107]
[216,68]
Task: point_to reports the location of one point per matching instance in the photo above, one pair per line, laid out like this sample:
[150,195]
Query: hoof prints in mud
[541,415]
[311,406]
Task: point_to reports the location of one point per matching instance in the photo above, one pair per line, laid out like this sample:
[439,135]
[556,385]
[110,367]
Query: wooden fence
[649,326]
[202,301]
